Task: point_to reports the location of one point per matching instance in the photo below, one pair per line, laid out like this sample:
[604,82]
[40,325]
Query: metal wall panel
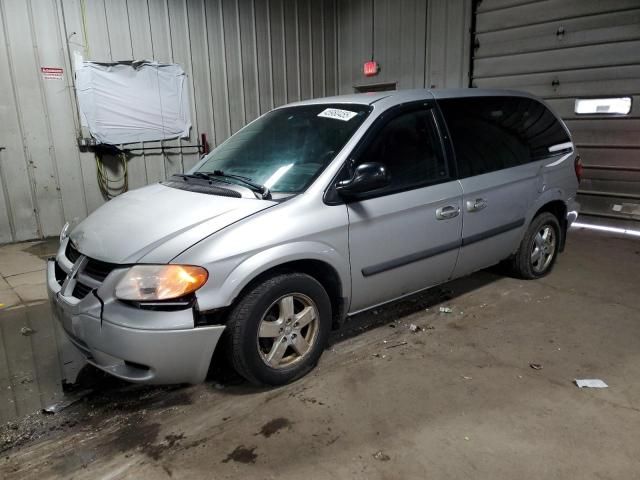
[417,43]
[567,49]
[242,58]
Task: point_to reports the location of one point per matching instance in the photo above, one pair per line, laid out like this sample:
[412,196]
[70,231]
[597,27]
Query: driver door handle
[450,211]
[476,205]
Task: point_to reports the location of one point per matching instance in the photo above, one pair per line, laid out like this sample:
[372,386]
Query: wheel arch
[317,260]
[320,270]
[554,202]
[558,208]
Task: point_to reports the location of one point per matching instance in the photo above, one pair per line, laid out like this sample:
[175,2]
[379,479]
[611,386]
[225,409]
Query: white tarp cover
[133,102]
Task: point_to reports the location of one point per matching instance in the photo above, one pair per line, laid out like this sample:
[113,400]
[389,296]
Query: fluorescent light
[603,228]
[605,106]
[277,175]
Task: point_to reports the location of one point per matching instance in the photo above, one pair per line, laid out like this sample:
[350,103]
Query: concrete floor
[30,350]
[22,272]
[457,400]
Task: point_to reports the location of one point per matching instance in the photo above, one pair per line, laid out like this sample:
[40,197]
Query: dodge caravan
[313,212]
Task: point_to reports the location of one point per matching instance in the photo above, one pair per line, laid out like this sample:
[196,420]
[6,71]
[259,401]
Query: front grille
[71,253]
[95,269]
[81,290]
[98,270]
[60,274]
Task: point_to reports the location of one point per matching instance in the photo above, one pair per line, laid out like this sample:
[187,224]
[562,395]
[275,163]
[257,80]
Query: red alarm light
[371,68]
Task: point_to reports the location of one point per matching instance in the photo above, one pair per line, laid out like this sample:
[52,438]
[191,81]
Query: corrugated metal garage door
[567,49]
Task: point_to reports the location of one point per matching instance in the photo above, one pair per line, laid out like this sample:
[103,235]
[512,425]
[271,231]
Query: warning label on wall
[52,73]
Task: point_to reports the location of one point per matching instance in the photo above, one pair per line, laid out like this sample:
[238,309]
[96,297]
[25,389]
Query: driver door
[404,237]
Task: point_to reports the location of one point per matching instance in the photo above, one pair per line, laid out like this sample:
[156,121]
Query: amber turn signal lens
[160,282]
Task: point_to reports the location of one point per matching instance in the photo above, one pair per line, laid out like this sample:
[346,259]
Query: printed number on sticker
[338,114]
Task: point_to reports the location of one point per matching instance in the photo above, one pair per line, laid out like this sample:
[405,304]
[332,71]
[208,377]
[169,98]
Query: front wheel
[539,248]
[278,330]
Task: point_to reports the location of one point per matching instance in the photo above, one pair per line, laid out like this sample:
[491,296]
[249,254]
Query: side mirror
[367,177]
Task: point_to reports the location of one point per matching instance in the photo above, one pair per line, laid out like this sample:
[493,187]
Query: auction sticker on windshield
[338,114]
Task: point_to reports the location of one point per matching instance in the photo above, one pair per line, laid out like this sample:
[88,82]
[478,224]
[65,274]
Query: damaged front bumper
[137,345]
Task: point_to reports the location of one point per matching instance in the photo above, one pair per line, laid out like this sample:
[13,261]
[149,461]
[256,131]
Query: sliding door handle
[450,211]
[476,205]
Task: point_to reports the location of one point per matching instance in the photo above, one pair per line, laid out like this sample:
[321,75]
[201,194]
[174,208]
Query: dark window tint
[492,133]
[409,146]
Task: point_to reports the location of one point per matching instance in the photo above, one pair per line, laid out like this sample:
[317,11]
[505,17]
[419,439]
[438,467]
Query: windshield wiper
[246,181]
[194,175]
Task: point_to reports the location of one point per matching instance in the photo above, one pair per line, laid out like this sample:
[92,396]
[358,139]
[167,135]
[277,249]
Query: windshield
[286,149]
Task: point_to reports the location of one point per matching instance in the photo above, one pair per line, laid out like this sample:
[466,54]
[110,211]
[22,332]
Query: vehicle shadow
[394,311]
[222,375]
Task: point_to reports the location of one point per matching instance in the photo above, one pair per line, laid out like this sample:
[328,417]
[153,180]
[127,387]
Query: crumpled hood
[155,223]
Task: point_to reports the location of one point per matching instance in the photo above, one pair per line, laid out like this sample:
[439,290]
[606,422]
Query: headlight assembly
[160,282]
[64,233]
[67,228]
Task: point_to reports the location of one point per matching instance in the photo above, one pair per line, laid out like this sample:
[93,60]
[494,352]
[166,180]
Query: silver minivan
[313,212]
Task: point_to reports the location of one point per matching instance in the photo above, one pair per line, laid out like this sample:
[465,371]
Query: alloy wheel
[544,248]
[288,330]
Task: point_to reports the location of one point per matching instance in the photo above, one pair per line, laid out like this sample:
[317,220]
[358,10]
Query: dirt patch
[111,400]
[242,454]
[274,426]
[133,435]
[156,451]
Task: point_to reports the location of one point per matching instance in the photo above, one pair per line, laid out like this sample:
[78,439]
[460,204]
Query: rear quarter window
[493,133]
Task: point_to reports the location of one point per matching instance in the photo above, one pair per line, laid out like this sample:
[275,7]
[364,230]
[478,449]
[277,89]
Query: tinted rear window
[492,133]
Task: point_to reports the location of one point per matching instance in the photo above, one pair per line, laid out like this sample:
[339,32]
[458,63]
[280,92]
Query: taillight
[579,168]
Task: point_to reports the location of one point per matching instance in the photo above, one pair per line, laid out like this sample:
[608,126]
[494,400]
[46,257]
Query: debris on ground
[466,438]
[467,378]
[26,331]
[590,383]
[414,328]
[396,345]
[380,455]
[377,355]
[67,402]
[445,310]
[536,366]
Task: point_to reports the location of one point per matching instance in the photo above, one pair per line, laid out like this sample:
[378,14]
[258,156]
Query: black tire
[245,318]
[521,264]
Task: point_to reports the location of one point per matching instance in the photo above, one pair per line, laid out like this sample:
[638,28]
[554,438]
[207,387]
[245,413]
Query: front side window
[409,147]
[286,149]
[492,133]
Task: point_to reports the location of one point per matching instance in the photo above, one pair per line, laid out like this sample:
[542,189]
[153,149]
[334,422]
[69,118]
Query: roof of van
[402,96]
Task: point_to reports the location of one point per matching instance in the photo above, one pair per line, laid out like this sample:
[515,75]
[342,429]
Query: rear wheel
[539,248]
[278,330]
